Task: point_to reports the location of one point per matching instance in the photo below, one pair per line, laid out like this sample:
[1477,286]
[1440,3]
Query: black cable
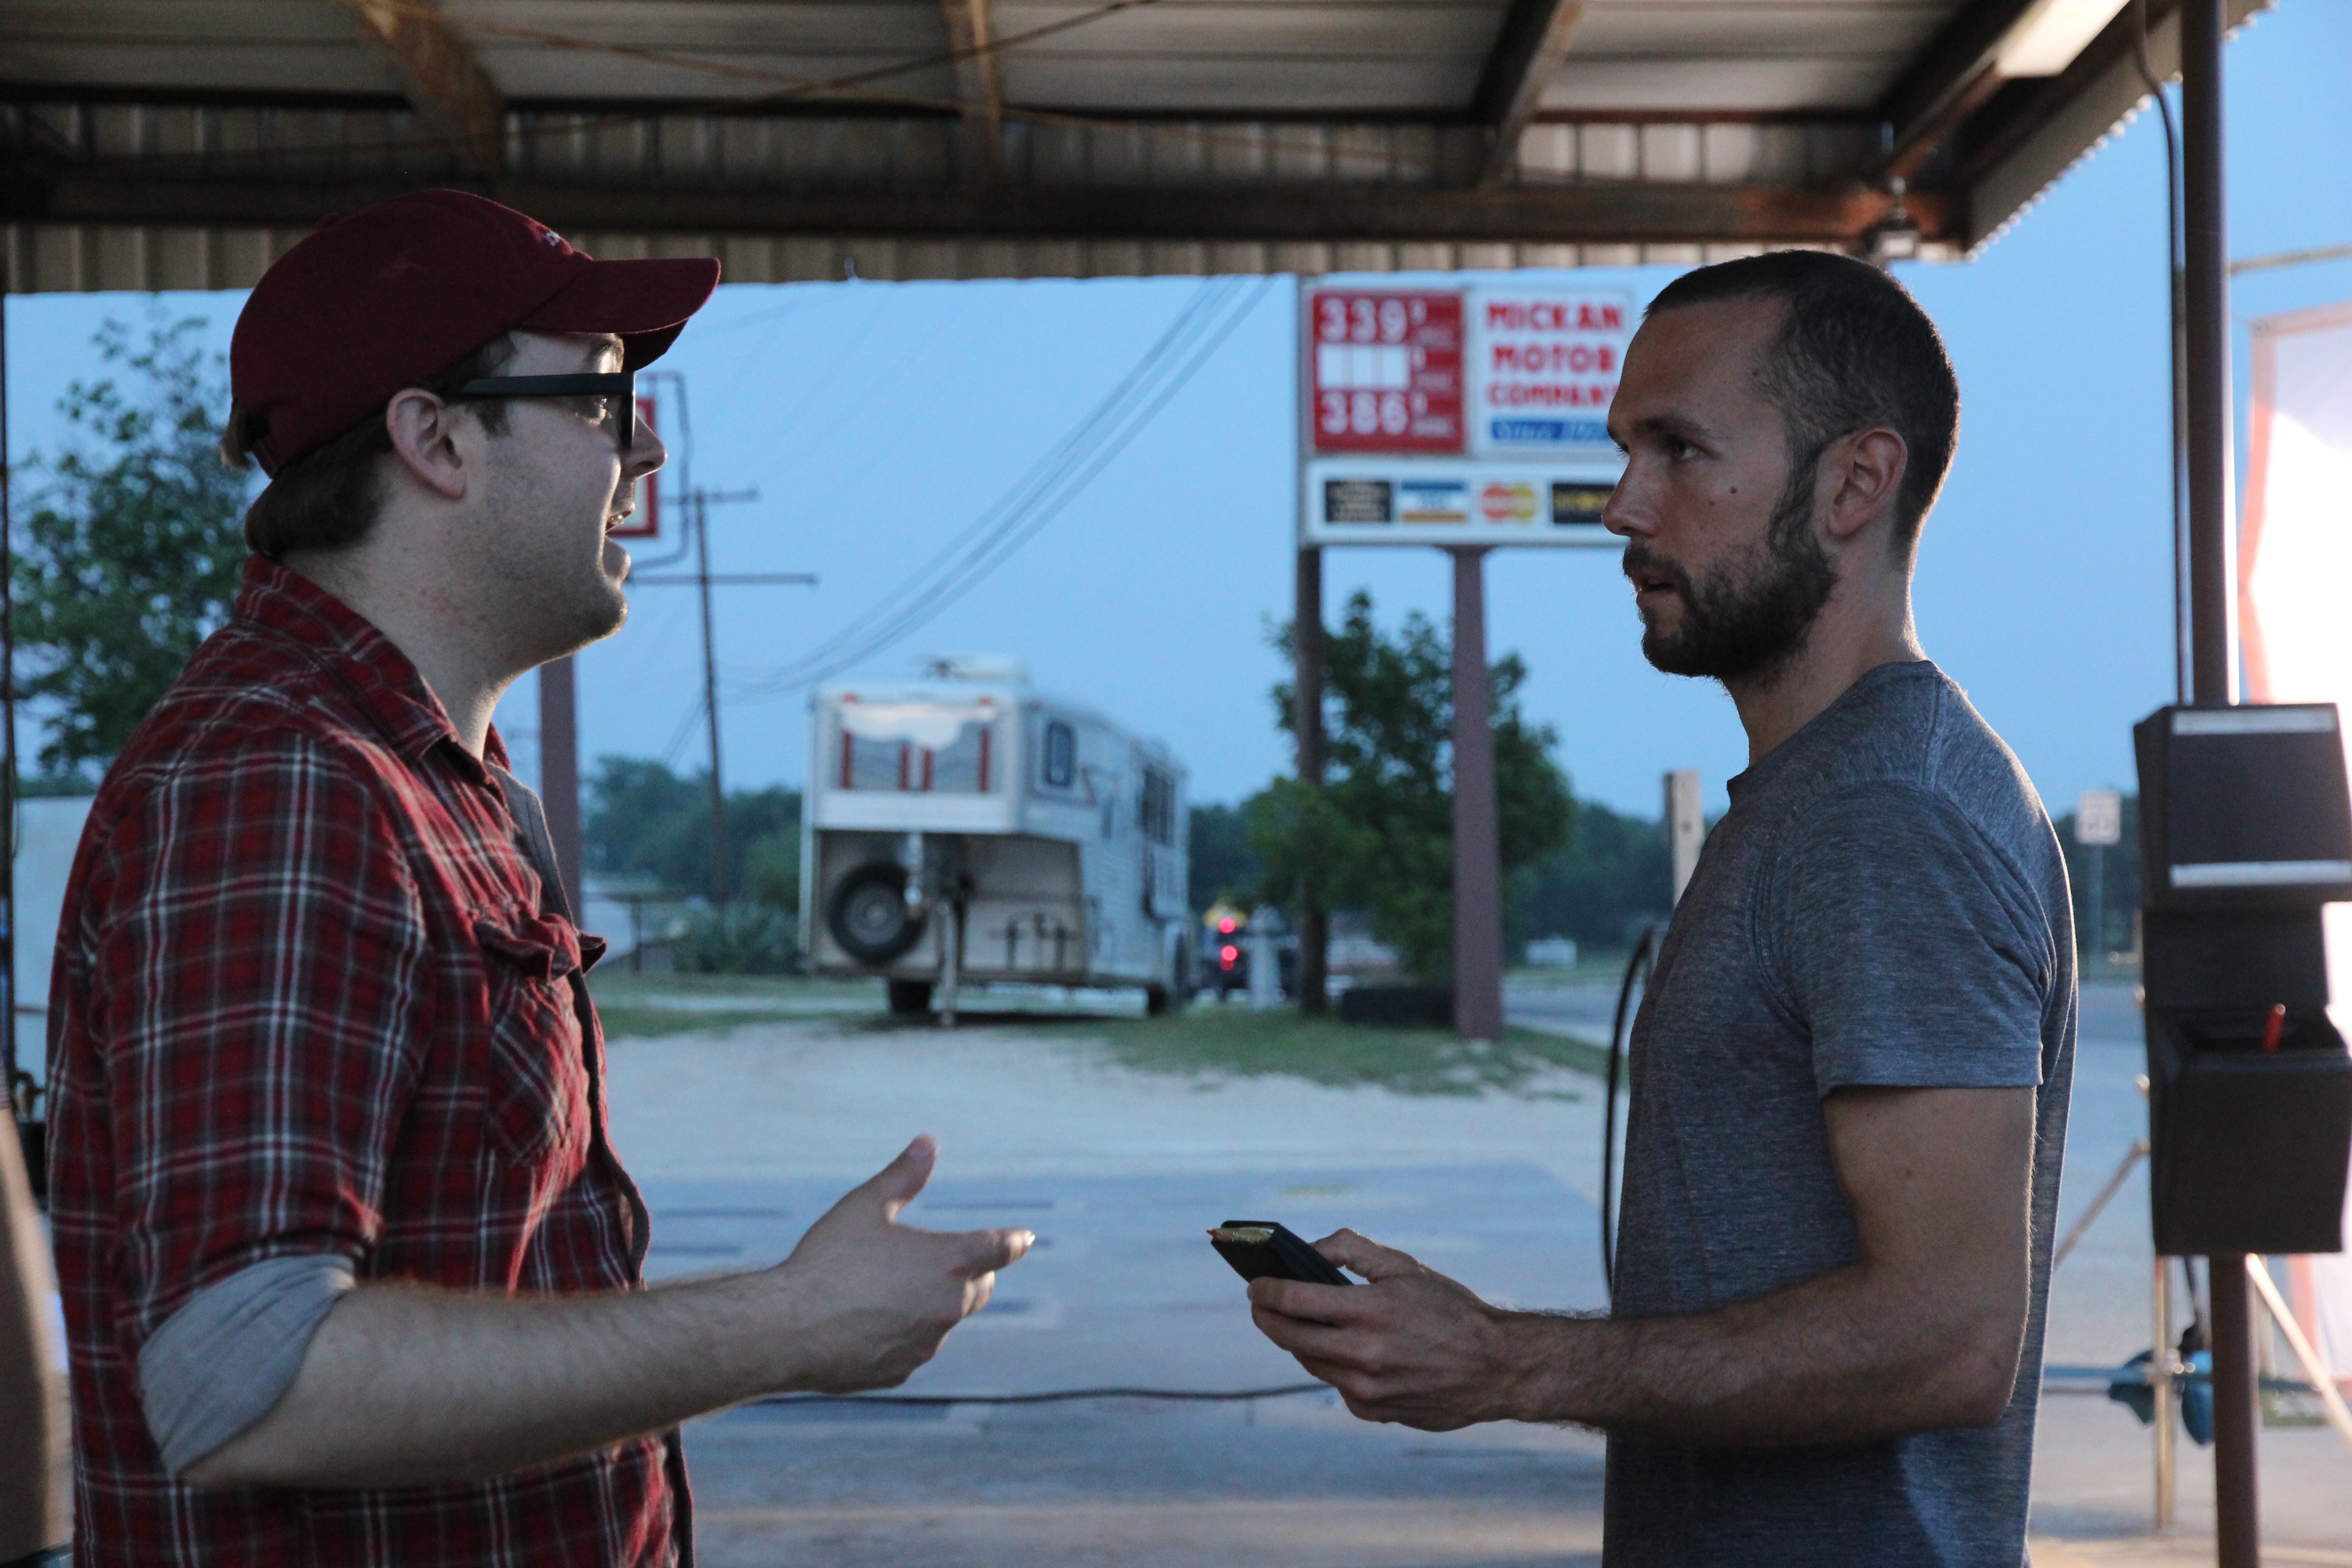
[1054,1396]
[1638,968]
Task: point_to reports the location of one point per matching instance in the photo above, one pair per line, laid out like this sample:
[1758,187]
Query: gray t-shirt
[1884,904]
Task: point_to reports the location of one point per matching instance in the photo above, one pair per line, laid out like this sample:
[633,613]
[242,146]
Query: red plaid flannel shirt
[306,1001]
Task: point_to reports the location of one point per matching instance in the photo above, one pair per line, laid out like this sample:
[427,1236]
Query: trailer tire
[868,914]
[910,998]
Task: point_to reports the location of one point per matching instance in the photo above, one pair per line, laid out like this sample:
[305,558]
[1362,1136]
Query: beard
[1745,625]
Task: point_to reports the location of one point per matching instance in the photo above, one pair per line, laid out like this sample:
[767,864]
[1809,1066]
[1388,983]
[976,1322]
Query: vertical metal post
[2214,665]
[2237,1517]
[2212,530]
[559,772]
[1478,844]
[2095,944]
[1307,642]
[2160,1364]
[8,1068]
[700,505]
[1686,826]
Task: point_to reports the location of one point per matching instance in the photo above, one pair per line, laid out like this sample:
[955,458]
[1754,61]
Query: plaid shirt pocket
[538,1079]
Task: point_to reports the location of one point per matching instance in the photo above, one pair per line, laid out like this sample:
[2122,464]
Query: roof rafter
[1276,211]
[1529,49]
[971,40]
[439,73]
[1950,82]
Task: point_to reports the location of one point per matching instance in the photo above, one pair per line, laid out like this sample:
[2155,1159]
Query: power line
[1038,497]
[991,520]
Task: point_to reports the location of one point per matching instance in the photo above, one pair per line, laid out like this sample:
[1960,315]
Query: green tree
[1222,864]
[132,545]
[1379,834]
[1614,876]
[645,820]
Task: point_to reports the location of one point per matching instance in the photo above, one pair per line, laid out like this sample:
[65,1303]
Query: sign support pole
[559,772]
[1477,844]
[1306,640]
[2213,664]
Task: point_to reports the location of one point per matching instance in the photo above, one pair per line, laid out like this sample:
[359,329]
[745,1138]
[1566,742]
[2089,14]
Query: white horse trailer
[966,828]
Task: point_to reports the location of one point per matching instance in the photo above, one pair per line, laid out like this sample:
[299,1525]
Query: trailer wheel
[868,917]
[910,997]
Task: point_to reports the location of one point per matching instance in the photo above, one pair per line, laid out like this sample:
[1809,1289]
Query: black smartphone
[1257,1248]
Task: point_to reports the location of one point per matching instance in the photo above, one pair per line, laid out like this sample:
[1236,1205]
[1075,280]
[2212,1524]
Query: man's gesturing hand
[873,1298]
[1412,1346]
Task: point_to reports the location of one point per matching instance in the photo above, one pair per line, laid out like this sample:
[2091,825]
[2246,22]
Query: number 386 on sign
[1386,370]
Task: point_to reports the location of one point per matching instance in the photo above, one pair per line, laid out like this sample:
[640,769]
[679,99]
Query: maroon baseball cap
[370,303]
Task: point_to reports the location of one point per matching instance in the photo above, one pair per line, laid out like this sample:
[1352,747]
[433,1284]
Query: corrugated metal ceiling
[157,143]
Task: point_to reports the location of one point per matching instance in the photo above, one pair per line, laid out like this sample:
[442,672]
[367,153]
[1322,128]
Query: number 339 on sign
[1385,370]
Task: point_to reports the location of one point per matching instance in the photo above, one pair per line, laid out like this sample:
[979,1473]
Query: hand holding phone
[1259,1247]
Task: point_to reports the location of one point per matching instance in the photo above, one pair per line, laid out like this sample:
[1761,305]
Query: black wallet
[1257,1248]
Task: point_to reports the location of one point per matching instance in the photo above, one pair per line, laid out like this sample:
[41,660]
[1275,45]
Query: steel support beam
[1597,213]
[1528,53]
[971,40]
[1477,840]
[1308,650]
[438,72]
[1946,86]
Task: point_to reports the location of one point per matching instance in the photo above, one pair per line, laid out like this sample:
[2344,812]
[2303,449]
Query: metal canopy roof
[164,143]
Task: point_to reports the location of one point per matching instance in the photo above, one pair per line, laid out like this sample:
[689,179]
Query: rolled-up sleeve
[261,1000]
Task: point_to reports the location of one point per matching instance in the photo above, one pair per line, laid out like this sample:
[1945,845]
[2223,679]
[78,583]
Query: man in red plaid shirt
[351,1274]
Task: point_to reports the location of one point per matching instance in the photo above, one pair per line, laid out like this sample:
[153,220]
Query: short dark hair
[1854,352]
[329,498]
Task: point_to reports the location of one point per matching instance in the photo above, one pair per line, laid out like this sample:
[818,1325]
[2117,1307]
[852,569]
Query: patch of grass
[1229,1042]
[627,1022]
[779,990]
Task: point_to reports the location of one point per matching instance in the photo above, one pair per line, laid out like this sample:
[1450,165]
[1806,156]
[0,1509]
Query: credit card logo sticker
[1433,500]
[1358,501]
[1506,502]
[1579,505]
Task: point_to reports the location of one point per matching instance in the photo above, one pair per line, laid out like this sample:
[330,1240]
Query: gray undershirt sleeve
[220,1361]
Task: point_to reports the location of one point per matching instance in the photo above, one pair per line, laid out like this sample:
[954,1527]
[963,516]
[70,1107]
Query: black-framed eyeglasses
[618,388]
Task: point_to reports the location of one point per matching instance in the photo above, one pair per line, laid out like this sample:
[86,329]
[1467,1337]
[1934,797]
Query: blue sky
[876,420]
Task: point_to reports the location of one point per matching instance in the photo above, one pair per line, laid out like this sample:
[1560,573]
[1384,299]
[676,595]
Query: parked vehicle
[968,828]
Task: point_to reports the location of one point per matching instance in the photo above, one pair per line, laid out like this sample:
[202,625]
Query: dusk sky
[877,420]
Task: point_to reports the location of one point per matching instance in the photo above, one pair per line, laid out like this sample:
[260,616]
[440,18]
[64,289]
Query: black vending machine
[2245,831]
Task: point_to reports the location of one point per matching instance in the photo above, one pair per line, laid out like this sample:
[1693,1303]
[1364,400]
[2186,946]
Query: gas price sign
[1459,416]
[1387,370]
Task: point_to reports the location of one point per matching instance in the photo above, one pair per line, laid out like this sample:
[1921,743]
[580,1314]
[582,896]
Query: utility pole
[695,508]
[701,503]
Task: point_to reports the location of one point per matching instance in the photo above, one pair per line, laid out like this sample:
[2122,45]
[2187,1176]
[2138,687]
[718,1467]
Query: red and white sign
[1544,368]
[646,522]
[2294,569]
[1385,371]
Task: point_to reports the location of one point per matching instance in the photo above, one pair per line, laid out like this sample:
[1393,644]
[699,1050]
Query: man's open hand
[876,1297]
[1412,1346]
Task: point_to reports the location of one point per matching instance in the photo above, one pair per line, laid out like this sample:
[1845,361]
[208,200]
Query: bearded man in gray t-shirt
[1851,1072]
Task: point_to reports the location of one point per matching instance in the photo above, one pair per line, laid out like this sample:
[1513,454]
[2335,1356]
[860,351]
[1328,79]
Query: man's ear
[422,428]
[1863,479]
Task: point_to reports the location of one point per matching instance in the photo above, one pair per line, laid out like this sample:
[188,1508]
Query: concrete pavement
[742,1136]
